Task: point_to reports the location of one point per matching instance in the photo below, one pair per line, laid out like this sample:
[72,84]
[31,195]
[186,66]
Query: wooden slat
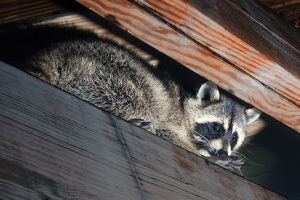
[289,9]
[55,146]
[15,11]
[213,66]
[257,26]
[207,32]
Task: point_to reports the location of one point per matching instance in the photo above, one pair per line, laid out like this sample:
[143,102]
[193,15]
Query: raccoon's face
[218,124]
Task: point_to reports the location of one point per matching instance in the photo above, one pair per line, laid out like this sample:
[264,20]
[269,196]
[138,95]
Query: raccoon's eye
[234,139]
[216,127]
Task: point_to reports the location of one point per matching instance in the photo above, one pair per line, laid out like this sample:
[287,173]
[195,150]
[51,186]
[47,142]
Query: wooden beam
[185,34]
[258,26]
[56,146]
[16,11]
[211,35]
[289,9]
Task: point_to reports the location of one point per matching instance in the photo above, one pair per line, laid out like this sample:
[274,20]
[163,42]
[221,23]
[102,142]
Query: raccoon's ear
[252,114]
[208,92]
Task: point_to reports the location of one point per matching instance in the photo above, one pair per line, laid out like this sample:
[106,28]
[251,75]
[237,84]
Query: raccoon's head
[218,124]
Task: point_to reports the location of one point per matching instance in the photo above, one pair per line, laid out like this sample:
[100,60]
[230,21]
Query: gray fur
[115,79]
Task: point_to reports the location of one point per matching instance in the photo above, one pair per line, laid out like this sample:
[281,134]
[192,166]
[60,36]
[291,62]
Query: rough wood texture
[55,146]
[16,11]
[257,26]
[206,48]
[205,31]
[289,9]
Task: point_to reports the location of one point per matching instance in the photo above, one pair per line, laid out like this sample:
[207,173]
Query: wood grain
[258,26]
[213,36]
[289,9]
[55,146]
[197,58]
[16,11]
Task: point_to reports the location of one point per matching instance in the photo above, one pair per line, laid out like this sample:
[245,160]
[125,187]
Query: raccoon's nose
[222,152]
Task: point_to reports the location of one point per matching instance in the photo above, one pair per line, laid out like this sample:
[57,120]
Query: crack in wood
[122,140]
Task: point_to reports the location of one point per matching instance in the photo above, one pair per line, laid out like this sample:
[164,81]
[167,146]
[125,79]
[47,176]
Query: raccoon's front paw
[228,162]
[141,123]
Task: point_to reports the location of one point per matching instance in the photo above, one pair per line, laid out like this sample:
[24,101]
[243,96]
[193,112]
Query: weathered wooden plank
[289,9]
[14,11]
[207,32]
[197,57]
[48,149]
[55,146]
[257,26]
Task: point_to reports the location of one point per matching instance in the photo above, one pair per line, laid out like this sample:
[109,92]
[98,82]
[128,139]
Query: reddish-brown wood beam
[257,26]
[211,35]
[16,11]
[148,27]
[289,9]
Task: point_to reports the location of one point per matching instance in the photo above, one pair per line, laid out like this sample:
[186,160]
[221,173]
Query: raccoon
[117,80]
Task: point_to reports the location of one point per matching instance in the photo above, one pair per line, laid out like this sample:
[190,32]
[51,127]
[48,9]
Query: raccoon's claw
[141,123]
[236,162]
[136,122]
[228,162]
[146,125]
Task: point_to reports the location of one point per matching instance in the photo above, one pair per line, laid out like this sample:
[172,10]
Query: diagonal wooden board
[218,56]
[56,146]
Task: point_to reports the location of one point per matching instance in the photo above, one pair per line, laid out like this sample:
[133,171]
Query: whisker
[248,150]
[247,142]
[240,172]
[198,134]
[240,154]
[248,160]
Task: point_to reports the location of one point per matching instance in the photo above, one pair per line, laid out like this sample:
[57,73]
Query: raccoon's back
[95,69]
